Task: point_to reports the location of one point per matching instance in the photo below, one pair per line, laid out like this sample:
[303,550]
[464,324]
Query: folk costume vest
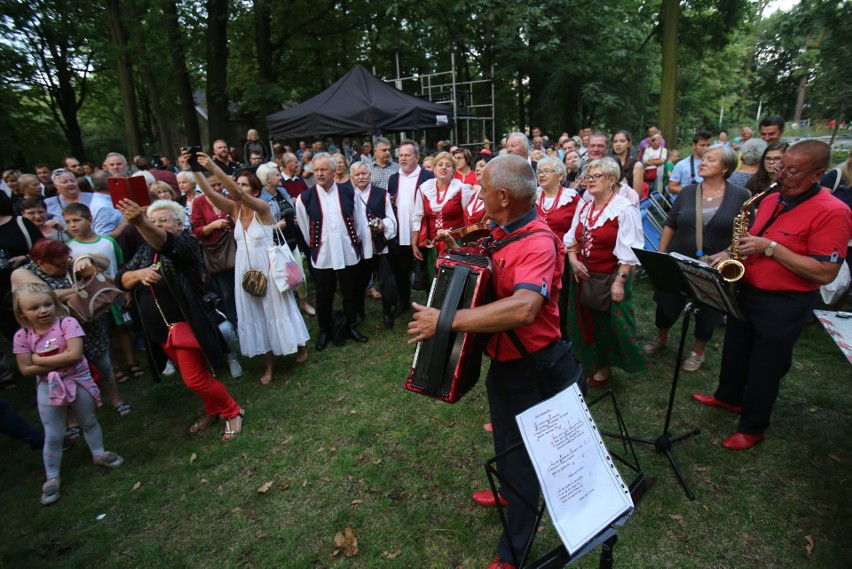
[313,206]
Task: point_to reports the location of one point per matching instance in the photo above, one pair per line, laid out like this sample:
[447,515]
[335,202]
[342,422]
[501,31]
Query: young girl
[50,346]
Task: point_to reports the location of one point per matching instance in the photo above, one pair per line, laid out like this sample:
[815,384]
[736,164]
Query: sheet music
[582,487]
[839,327]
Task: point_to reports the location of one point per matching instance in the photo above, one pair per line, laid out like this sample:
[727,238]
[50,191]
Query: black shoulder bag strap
[443,330]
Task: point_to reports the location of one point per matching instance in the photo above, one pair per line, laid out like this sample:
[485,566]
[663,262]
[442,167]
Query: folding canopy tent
[358,103]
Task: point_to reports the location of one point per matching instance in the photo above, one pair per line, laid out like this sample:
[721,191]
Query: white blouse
[629,228]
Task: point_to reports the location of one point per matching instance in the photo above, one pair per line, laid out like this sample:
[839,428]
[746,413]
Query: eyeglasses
[593,177]
[788,174]
[773,159]
[545,172]
[161,220]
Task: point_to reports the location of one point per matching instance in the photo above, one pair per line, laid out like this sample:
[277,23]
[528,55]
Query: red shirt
[533,263]
[203,214]
[469,178]
[559,215]
[819,227]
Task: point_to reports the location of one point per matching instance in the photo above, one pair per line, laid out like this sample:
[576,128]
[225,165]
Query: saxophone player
[796,244]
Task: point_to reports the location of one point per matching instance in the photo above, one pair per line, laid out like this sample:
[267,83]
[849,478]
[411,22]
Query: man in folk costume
[333,222]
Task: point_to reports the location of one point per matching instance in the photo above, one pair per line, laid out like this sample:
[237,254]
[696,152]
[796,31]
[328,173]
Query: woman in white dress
[270,325]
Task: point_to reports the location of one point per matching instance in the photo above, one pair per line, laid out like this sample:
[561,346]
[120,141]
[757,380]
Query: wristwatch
[769,251]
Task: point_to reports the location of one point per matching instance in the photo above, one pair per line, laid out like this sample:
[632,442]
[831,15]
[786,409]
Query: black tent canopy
[358,103]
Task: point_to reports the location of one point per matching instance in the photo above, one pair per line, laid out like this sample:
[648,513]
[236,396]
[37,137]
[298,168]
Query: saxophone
[732,269]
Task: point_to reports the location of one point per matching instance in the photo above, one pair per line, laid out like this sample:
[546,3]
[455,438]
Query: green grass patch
[344,445]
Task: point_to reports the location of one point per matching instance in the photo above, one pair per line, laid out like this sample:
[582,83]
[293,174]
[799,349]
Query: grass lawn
[339,443]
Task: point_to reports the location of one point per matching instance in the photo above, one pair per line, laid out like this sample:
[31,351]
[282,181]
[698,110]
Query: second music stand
[699,283]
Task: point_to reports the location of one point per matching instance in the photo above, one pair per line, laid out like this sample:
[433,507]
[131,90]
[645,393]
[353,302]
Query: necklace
[439,197]
[545,212]
[591,220]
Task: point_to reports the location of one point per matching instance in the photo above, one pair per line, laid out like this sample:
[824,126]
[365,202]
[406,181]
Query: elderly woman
[464,172]
[474,212]
[50,264]
[555,203]
[767,170]
[165,278]
[573,166]
[341,170]
[10,178]
[163,191]
[720,204]
[271,324]
[188,192]
[752,150]
[600,245]
[254,144]
[441,206]
[632,170]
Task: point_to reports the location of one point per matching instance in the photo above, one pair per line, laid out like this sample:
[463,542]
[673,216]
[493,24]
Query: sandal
[74,431]
[120,376]
[136,370]
[230,433]
[202,423]
[123,409]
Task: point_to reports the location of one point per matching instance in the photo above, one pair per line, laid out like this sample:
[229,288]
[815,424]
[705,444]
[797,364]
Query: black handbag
[596,293]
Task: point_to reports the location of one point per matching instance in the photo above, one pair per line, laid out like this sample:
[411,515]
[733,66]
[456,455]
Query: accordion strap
[444,328]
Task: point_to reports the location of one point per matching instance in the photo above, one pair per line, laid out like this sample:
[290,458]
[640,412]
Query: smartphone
[134,188]
[193,158]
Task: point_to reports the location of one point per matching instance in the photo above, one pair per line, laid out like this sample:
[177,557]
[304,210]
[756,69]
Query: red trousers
[193,369]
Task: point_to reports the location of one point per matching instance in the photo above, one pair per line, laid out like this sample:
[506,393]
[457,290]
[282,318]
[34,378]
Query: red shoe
[498,563]
[488,427]
[485,498]
[711,401]
[742,441]
[594,382]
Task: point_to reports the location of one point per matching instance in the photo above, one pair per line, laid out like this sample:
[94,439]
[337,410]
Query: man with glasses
[797,243]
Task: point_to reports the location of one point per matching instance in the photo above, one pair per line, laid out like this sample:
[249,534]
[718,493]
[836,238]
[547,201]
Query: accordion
[447,365]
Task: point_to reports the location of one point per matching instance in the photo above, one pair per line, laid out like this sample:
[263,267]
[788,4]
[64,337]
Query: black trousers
[223,284]
[759,352]
[325,281]
[670,307]
[368,268]
[403,263]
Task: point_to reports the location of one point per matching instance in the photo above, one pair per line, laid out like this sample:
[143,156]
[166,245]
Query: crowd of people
[364,217]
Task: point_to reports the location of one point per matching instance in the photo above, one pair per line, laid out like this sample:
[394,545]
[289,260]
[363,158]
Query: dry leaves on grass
[393,554]
[136,487]
[192,458]
[345,542]
[264,488]
[676,517]
[809,545]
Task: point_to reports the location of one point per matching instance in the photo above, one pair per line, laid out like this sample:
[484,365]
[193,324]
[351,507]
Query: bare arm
[152,234]
[21,276]
[638,177]
[32,364]
[520,309]
[666,239]
[218,200]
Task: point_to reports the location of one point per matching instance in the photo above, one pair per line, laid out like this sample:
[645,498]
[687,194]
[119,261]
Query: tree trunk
[521,106]
[181,74]
[800,98]
[750,59]
[161,121]
[263,42]
[668,77]
[125,77]
[217,70]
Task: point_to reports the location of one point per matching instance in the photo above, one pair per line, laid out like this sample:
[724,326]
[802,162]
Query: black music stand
[559,556]
[698,283]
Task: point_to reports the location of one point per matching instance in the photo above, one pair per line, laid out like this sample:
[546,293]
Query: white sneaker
[170,368]
[234,366]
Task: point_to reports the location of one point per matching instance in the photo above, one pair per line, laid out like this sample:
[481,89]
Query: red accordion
[447,365]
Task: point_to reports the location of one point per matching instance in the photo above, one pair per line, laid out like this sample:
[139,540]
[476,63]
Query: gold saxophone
[732,269]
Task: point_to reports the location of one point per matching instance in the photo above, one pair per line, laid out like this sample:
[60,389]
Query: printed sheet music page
[582,487]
